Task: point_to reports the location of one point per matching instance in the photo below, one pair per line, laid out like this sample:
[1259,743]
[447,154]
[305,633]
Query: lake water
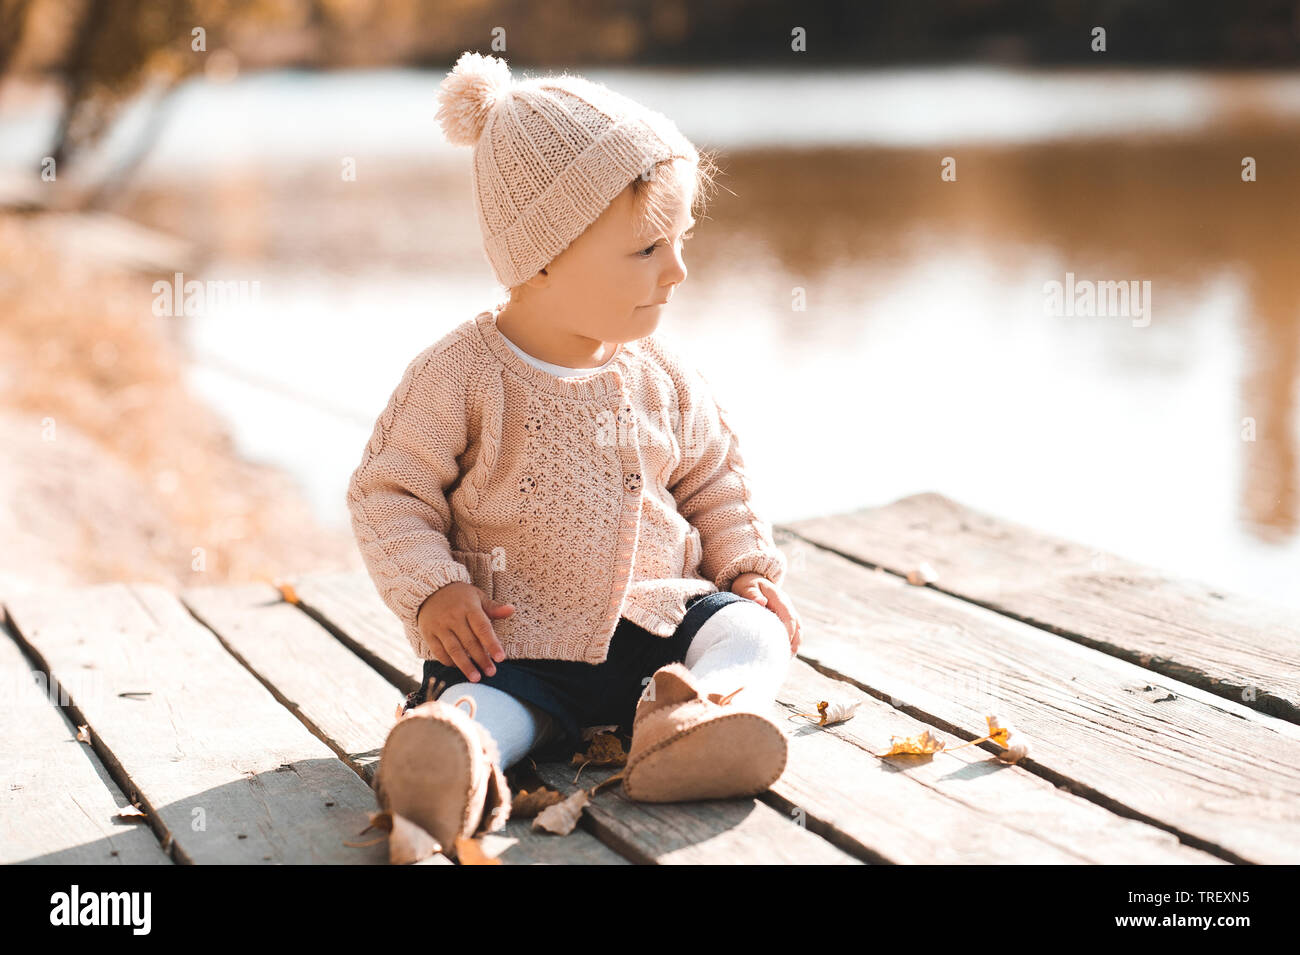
[924,356]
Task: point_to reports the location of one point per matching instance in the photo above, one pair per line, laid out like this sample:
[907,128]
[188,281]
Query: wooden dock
[230,725]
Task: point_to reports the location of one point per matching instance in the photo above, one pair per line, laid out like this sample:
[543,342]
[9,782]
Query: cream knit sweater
[579,500]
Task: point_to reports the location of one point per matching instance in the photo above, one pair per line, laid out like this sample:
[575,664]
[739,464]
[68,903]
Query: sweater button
[632,482]
[533,425]
[527,485]
[625,415]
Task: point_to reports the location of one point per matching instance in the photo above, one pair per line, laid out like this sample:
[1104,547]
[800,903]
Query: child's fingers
[454,646]
[469,640]
[487,637]
[782,610]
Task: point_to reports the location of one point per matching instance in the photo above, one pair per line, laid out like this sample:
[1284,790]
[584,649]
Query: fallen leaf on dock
[409,843]
[605,749]
[923,743]
[83,734]
[829,713]
[562,817]
[470,852]
[922,575]
[131,813]
[1015,744]
[525,804]
[1017,749]
[287,592]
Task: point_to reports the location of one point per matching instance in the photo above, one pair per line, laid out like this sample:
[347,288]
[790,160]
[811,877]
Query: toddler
[552,502]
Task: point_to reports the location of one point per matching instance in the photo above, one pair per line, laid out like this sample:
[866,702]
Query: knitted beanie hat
[550,154]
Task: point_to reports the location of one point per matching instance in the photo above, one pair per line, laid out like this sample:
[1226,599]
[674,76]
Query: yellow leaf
[287,592]
[998,731]
[131,813]
[1015,744]
[470,852]
[922,744]
[83,734]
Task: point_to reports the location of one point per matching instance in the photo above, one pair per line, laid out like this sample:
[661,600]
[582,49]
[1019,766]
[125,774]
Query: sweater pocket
[480,569]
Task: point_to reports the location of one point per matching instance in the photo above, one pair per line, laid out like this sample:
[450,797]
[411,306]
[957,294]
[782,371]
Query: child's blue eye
[650,250]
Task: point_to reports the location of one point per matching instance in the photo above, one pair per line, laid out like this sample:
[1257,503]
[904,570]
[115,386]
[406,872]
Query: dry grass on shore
[112,470]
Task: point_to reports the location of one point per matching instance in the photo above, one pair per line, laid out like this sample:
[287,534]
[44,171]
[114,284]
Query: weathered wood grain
[1235,646]
[962,806]
[346,703]
[58,805]
[371,631]
[1223,776]
[228,774]
[707,832]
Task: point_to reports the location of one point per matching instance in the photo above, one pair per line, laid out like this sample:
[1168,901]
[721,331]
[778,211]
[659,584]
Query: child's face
[611,282]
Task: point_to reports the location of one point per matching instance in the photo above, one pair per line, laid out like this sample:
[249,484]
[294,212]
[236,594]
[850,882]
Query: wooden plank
[711,831]
[1234,646]
[346,703]
[962,806]
[1224,777]
[225,770]
[347,604]
[59,804]
[707,832]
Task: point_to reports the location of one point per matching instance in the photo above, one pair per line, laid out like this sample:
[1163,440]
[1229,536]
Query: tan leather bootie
[687,746]
[441,770]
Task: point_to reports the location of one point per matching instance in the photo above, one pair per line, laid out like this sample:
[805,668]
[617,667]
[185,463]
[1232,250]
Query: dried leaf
[409,843]
[922,744]
[83,734]
[922,575]
[1017,748]
[470,852]
[525,804]
[605,749]
[998,730]
[562,817]
[131,813]
[398,714]
[287,592]
[379,820]
[832,713]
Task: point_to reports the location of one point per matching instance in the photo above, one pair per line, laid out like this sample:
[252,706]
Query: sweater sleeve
[396,496]
[714,492]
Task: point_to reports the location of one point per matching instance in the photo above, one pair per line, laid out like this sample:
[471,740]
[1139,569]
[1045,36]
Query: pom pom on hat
[468,94]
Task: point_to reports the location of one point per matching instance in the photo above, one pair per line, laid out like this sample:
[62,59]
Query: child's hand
[762,591]
[456,623]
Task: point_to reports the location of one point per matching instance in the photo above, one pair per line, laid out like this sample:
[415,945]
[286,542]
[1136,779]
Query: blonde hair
[655,192]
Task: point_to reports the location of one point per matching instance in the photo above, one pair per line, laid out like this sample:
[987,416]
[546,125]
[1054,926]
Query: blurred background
[901,181]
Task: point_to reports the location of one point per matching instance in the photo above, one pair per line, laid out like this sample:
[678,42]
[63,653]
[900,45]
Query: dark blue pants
[578,694]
